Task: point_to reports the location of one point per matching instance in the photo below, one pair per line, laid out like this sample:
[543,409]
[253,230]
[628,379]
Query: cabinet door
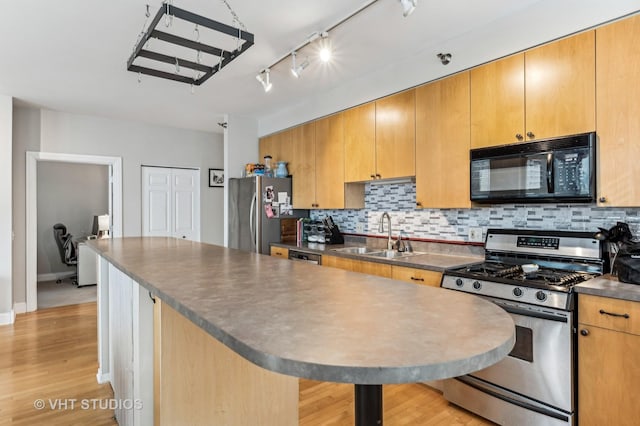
[608,377]
[360,143]
[330,163]
[266,146]
[277,145]
[396,135]
[302,167]
[372,268]
[497,102]
[442,144]
[416,276]
[560,87]
[618,109]
[279,252]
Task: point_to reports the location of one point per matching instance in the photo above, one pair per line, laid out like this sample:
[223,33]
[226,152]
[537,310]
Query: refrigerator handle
[251,219]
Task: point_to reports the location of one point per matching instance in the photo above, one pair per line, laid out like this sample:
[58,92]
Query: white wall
[6,224]
[70,194]
[504,36]
[137,144]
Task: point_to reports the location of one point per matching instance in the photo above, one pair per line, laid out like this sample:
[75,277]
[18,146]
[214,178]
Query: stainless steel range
[531,275]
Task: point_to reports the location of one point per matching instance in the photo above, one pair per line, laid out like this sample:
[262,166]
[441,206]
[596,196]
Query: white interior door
[171,203]
[186,204]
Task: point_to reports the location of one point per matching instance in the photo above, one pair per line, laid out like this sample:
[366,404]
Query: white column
[7,314]
[240,148]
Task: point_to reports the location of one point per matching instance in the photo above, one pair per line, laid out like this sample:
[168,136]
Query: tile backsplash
[399,200]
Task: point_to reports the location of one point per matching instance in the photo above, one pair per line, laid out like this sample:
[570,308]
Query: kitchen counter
[318,323]
[609,286]
[429,261]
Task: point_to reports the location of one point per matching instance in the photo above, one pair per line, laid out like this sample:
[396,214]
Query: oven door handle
[535,314]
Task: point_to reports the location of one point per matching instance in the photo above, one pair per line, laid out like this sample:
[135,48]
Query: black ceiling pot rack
[208,72]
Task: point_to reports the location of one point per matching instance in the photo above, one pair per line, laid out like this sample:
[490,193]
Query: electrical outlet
[359,228]
[475,234]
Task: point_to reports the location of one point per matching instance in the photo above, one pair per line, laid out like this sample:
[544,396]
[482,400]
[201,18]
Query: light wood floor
[51,355]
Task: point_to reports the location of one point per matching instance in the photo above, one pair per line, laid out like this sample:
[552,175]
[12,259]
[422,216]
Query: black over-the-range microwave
[555,170]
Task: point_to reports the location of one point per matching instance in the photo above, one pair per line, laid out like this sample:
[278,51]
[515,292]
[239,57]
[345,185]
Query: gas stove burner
[541,277]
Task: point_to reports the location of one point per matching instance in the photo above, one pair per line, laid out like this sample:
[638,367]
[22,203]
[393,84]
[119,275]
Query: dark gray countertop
[314,322]
[431,261]
[609,286]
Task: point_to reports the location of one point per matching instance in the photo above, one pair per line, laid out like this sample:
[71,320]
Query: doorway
[115,207]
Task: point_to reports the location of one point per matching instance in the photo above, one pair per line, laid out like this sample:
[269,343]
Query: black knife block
[333,235]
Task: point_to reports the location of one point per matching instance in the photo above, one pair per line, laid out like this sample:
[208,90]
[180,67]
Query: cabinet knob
[530,135]
[418,204]
[602,199]
[373,176]
[378,176]
[584,332]
[519,136]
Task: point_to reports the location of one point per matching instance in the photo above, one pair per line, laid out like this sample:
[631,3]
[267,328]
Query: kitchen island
[277,320]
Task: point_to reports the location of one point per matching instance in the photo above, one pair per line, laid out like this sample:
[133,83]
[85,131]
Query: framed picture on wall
[216,178]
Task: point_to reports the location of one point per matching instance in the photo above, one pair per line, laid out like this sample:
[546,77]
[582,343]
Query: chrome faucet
[381,229]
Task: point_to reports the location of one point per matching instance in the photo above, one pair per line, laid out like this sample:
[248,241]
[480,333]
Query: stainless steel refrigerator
[250,227]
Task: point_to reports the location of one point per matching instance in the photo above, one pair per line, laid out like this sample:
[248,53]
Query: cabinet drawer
[280,252]
[416,276]
[613,314]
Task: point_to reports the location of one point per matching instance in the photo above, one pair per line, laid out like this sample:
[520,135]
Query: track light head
[445,58]
[296,69]
[325,47]
[263,78]
[408,6]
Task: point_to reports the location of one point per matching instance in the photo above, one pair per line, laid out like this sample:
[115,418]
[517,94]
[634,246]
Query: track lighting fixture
[325,47]
[445,58]
[324,44]
[296,70]
[263,78]
[408,6]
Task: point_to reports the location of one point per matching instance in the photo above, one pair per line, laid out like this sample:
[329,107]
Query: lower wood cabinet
[401,273]
[608,361]
[354,265]
[280,252]
[416,276]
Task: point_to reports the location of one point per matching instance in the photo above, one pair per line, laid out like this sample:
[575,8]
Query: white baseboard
[20,307]
[55,276]
[7,317]
[103,377]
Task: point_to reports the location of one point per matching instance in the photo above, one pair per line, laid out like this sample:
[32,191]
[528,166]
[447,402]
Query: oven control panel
[539,242]
[529,295]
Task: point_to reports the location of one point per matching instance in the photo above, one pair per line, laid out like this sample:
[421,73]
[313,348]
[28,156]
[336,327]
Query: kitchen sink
[357,250]
[380,253]
[393,254]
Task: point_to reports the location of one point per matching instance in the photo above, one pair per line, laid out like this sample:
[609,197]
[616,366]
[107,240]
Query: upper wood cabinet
[277,145]
[554,83]
[329,161]
[395,136]
[302,166]
[497,102]
[442,143]
[560,87]
[360,143]
[618,106]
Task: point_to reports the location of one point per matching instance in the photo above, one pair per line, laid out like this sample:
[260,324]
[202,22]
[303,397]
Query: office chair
[67,249]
